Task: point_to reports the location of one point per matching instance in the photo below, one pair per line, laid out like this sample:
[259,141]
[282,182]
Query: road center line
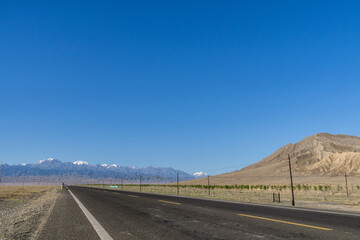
[96,225]
[132,196]
[169,202]
[280,221]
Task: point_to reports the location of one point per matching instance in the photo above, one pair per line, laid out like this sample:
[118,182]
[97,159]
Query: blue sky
[195,85]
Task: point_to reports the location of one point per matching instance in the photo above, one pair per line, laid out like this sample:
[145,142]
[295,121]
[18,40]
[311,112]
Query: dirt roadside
[24,211]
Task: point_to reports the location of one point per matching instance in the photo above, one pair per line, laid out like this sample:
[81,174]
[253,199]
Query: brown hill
[320,154]
[320,158]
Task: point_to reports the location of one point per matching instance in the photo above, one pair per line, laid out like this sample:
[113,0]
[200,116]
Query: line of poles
[141,180]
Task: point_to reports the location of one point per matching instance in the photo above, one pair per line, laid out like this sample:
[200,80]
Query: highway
[89,213]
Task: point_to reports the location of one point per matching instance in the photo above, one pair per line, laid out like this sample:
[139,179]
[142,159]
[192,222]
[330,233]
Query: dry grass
[23,209]
[19,193]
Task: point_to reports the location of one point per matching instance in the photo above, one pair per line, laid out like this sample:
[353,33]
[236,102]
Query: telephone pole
[347,190]
[140,182]
[177,183]
[208,184]
[292,185]
[1,168]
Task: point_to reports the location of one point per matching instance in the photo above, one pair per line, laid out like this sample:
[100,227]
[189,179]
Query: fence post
[273,197]
[209,185]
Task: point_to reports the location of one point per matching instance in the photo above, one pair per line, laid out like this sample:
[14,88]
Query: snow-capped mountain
[45,160]
[81,163]
[199,174]
[82,169]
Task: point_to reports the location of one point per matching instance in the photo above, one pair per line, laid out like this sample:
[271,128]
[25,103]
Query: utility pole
[140,182]
[208,184]
[1,168]
[347,190]
[157,180]
[177,182]
[236,178]
[292,185]
[122,183]
[23,180]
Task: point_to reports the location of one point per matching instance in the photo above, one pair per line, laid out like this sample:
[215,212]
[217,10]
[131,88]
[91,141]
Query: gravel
[23,219]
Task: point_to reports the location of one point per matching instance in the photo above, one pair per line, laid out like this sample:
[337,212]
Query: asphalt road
[130,215]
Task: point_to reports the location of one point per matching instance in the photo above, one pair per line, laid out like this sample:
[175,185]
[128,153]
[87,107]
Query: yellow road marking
[169,202]
[132,196]
[280,221]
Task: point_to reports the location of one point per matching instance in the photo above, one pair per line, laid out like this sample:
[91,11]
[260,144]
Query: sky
[196,85]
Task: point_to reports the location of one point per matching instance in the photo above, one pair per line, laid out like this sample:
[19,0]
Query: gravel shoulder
[23,211]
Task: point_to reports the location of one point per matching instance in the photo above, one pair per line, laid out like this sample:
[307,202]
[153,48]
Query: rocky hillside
[322,158]
[320,154]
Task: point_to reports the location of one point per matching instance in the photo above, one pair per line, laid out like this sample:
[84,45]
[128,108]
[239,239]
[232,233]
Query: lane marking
[96,225]
[280,221]
[169,202]
[132,196]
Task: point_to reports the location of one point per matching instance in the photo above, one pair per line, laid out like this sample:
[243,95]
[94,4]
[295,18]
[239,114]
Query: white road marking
[96,225]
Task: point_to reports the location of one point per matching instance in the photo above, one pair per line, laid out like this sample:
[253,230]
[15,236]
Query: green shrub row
[299,187]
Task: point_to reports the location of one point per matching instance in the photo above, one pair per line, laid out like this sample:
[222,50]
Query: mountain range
[52,167]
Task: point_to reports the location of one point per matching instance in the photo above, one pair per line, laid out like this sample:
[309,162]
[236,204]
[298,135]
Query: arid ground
[23,210]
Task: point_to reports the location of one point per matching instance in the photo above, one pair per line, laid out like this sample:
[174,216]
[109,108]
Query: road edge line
[102,233]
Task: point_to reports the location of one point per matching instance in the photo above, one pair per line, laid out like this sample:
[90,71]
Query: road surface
[105,214]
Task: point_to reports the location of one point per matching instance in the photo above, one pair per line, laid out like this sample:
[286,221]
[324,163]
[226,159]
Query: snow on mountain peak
[49,159]
[104,165]
[81,163]
[200,174]
[113,165]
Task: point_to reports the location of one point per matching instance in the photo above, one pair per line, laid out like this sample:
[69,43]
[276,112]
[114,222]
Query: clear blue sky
[195,85]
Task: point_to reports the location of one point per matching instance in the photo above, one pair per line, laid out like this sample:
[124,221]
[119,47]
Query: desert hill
[320,158]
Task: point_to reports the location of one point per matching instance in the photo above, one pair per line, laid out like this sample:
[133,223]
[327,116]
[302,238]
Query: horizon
[197,86]
[101,164]
[217,171]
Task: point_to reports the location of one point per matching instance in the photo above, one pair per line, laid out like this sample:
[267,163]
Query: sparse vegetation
[19,193]
[322,195]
